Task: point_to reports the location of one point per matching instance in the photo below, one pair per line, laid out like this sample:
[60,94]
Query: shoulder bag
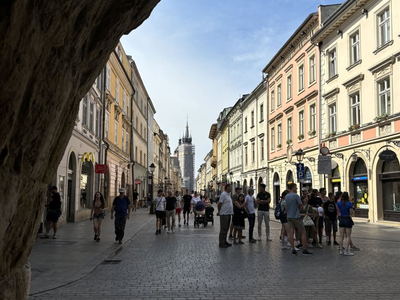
[307,221]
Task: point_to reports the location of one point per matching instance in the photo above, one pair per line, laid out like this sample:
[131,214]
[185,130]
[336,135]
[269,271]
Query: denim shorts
[346,222]
[99,216]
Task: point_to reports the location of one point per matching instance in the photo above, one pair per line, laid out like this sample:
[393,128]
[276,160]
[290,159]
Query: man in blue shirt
[122,208]
[293,206]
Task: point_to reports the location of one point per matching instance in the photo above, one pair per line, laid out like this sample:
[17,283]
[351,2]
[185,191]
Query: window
[124,101]
[355,109]
[137,123]
[252,118]
[289,130]
[245,155]
[144,159]
[107,129]
[253,152]
[261,112]
[262,149]
[117,90]
[312,68]
[355,47]
[136,154]
[245,124]
[313,118]
[289,87]
[384,97]
[301,78]
[141,154]
[91,116]
[332,118]
[332,63]
[272,100]
[98,82]
[301,123]
[279,135]
[141,130]
[279,96]
[384,27]
[98,122]
[126,141]
[116,132]
[108,79]
[145,135]
[123,139]
[84,111]
[272,139]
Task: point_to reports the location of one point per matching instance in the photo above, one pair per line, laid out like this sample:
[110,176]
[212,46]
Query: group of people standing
[303,218]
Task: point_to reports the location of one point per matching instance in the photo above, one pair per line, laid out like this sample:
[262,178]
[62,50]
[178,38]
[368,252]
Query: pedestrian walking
[284,221]
[239,214]
[122,208]
[225,211]
[345,224]
[251,213]
[193,203]
[53,213]
[159,209]
[187,198]
[178,206]
[97,214]
[263,200]
[135,197]
[293,206]
[170,202]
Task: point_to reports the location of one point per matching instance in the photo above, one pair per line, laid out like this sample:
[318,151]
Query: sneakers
[310,246]
[288,244]
[55,236]
[223,246]
[269,239]
[295,248]
[252,241]
[294,252]
[341,252]
[228,244]
[259,239]
[120,242]
[319,246]
[336,243]
[348,253]
[306,252]
[98,239]
[243,237]
[172,231]
[285,248]
[168,231]
[354,248]
[95,237]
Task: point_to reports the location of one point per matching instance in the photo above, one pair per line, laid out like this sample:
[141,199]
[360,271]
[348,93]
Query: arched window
[86,184]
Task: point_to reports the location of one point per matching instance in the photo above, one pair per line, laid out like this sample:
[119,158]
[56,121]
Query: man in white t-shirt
[193,203]
[159,209]
[225,211]
[251,213]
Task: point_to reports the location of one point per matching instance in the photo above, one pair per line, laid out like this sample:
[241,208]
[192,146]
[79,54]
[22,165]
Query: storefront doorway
[390,179]
[336,181]
[308,178]
[277,188]
[360,188]
[71,188]
[289,178]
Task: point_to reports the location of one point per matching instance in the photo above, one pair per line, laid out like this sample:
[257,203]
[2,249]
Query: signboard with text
[101,169]
[324,164]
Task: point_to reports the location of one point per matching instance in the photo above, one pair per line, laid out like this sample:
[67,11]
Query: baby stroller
[210,214]
[200,214]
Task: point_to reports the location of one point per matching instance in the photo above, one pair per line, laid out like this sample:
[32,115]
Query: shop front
[289,178]
[359,181]
[390,180]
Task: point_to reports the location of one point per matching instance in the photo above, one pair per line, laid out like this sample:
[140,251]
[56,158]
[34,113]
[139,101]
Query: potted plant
[289,141]
[354,127]
[279,146]
[312,132]
[332,134]
[382,117]
[301,137]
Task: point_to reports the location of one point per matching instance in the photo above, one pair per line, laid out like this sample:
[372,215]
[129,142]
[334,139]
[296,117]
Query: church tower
[186,154]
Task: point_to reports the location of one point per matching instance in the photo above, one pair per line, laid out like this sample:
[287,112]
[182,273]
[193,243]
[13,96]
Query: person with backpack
[251,213]
[122,208]
[281,214]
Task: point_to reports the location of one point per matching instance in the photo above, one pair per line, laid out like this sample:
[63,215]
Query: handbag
[307,221]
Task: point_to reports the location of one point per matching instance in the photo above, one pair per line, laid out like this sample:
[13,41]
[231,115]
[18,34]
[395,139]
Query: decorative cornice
[252,139]
[289,68]
[354,80]
[278,116]
[279,77]
[331,93]
[383,64]
[300,102]
[288,109]
[261,135]
[311,95]
[300,57]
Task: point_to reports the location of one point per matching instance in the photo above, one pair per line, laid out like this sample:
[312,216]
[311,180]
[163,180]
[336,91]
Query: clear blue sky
[198,56]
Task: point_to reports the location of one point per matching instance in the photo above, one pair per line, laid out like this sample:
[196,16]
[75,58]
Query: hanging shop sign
[387,155]
[138,181]
[100,169]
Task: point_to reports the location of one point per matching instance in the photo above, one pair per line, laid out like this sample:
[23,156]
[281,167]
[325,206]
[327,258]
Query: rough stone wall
[50,54]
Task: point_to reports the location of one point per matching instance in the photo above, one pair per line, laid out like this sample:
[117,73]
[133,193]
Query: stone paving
[190,265]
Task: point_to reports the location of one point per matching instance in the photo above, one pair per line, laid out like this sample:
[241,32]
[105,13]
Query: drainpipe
[103,95]
[131,144]
[320,106]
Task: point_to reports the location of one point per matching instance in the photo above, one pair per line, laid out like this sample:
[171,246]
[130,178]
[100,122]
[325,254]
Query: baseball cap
[121,191]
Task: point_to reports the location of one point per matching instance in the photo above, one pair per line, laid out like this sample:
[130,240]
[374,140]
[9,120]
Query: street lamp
[152,169]
[299,155]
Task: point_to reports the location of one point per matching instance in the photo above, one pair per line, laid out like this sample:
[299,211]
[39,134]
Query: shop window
[86,184]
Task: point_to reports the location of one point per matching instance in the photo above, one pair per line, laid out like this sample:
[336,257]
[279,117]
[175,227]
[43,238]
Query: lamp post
[299,155]
[152,169]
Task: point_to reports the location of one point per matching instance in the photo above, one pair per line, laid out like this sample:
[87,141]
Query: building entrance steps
[57,262]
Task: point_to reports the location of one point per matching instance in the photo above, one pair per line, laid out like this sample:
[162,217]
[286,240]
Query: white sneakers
[54,236]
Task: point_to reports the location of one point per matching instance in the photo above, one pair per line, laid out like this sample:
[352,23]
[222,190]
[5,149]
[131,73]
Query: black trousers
[120,222]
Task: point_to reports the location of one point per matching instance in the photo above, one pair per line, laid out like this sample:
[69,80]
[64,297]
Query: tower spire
[187,126]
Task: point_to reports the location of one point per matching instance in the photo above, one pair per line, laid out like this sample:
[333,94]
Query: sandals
[235,243]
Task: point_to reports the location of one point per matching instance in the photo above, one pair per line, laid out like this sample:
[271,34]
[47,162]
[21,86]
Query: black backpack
[278,211]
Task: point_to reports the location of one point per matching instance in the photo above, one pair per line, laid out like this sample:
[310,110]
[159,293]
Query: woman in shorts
[97,214]
[284,222]
[159,209]
[345,224]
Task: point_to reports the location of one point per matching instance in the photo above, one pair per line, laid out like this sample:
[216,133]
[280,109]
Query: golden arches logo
[88,157]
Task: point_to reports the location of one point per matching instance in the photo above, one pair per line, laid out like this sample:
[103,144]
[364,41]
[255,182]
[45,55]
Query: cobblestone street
[190,265]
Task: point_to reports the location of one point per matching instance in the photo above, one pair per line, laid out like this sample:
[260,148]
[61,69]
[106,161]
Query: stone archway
[77,39]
